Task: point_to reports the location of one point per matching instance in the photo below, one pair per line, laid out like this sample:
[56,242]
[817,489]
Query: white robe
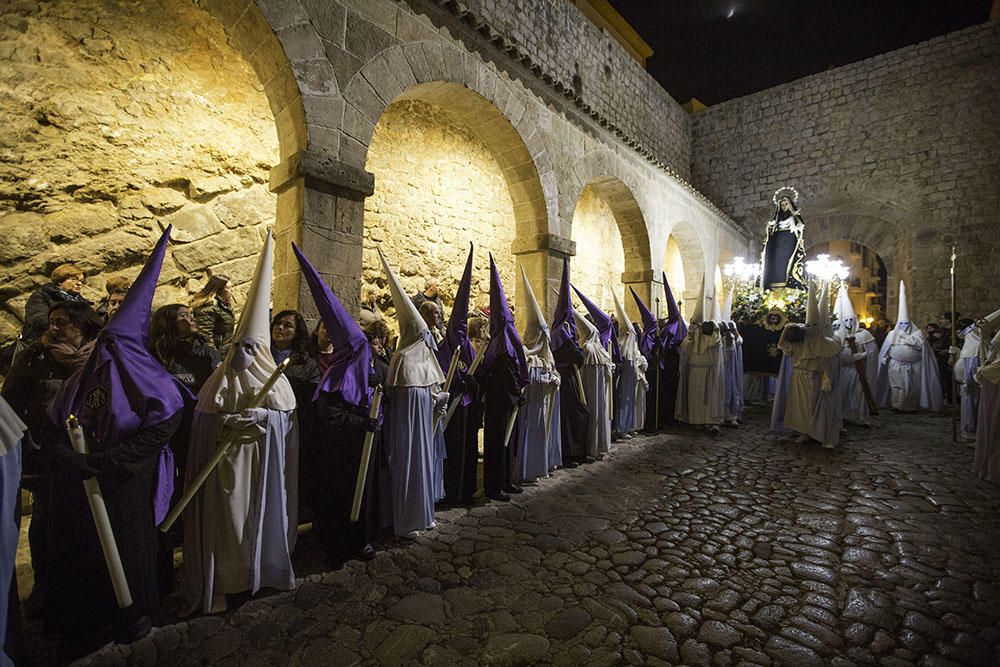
[240,530]
[908,372]
[813,405]
[852,394]
[701,389]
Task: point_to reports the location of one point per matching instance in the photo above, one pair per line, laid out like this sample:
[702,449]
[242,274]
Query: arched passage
[867,283]
[611,242]
[141,115]
[449,170]
[684,263]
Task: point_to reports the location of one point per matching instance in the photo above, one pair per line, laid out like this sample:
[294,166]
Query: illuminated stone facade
[437,189]
[600,258]
[118,119]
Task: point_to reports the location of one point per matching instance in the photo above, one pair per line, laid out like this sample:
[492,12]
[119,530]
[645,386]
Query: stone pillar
[648,288]
[321,206]
[542,257]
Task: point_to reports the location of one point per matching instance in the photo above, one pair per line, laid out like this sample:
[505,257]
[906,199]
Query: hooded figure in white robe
[908,376]
[701,388]
[240,530]
[632,375]
[732,346]
[972,354]
[413,395]
[859,347]
[540,414]
[986,463]
[813,407]
[596,372]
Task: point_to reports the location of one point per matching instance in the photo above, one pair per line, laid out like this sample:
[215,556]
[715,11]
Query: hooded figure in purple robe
[502,376]
[672,333]
[241,527]
[573,410]
[630,396]
[343,402]
[461,445]
[128,406]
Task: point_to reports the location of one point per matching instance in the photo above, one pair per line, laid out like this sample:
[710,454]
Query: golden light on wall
[673,265]
[600,255]
[437,188]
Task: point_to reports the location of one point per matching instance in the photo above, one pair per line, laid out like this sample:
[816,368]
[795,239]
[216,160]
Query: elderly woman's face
[72,283]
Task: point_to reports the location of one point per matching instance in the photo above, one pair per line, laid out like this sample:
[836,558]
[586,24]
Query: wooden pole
[366,455]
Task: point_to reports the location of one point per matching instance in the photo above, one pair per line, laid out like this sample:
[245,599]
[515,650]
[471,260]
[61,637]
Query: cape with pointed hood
[352,356]
[504,339]
[855,407]
[457,332]
[628,342]
[414,363]
[128,406]
[675,331]
[122,388]
[248,363]
[537,337]
[602,321]
[698,341]
[563,320]
[647,339]
[590,342]
[919,383]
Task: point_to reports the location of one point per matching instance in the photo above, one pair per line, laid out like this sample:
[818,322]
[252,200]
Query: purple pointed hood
[121,387]
[352,355]
[563,322]
[504,339]
[457,334]
[647,339]
[602,321]
[675,330]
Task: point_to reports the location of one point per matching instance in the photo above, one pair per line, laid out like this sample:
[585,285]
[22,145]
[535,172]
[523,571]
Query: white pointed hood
[825,316]
[537,337]
[590,342]
[248,363]
[845,315]
[628,342]
[413,364]
[727,308]
[812,306]
[903,312]
[698,312]
[716,305]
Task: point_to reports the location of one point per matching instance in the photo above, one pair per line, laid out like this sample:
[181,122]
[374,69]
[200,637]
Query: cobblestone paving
[677,548]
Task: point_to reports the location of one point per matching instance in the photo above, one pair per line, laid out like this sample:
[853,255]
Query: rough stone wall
[120,118]
[600,257]
[437,188]
[579,57]
[899,152]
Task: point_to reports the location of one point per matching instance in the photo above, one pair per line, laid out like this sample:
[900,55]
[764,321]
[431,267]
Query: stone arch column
[253,28]
[333,165]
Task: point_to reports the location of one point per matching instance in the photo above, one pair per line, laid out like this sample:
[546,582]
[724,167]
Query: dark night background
[715,50]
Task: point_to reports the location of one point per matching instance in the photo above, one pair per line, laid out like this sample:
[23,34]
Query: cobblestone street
[678,548]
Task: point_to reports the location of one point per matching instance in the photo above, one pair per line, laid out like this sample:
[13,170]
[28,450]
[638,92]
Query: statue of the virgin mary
[784,250]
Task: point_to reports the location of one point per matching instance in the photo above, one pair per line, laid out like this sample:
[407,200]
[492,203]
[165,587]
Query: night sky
[716,50]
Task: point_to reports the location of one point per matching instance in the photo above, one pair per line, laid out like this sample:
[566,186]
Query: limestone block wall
[600,256]
[592,67]
[899,152]
[118,119]
[437,188]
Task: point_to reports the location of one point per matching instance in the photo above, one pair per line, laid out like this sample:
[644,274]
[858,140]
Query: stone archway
[449,170]
[691,249]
